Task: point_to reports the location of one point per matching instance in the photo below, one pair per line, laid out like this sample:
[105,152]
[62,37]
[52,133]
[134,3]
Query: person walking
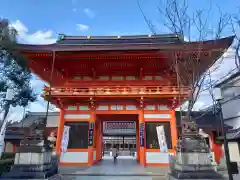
[114,153]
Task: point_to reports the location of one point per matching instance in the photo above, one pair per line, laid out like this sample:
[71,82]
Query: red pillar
[216,148]
[60,132]
[137,141]
[90,148]
[142,151]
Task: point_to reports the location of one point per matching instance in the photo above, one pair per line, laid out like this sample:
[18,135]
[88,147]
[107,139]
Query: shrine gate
[105,78]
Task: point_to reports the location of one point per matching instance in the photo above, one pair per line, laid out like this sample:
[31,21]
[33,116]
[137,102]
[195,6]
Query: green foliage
[7,155]
[6,162]
[5,165]
[14,70]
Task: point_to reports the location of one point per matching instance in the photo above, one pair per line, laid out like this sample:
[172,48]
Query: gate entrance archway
[118,130]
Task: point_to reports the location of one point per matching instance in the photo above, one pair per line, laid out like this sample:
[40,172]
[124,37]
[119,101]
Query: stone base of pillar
[192,160]
[193,157]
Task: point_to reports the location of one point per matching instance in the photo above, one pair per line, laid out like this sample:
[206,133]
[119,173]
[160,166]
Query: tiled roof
[203,119]
[52,120]
[126,44]
[13,135]
[233,134]
[140,39]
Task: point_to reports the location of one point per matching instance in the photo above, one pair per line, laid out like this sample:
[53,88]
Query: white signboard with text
[65,139]
[162,139]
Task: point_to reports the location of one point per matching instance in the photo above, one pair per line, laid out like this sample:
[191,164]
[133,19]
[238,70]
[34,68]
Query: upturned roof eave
[228,80]
[226,42]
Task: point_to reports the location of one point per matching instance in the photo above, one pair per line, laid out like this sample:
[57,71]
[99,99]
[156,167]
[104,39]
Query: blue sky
[40,21]
[105,17]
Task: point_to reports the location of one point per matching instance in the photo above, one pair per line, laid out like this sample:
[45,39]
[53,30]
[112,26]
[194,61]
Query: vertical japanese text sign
[65,139]
[90,135]
[162,139]
[142,134]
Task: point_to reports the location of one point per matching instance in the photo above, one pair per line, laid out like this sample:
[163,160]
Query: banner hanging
[162,139]
[65,139]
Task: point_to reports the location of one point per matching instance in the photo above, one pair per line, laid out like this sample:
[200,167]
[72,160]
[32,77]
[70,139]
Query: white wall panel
[75,157]
[234,151]
[162,107]
[131,107]
[83,108]
[150,107]
[71,108]
[157,157]
[77,116]
[102,108]
[157,116]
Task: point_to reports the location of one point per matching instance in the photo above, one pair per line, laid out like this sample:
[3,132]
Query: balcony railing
[120,91]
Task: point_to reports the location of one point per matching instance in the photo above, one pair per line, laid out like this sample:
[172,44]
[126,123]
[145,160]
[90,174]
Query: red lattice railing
[109,91]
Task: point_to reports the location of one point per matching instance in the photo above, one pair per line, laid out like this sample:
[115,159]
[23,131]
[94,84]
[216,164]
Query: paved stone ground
[122,178]
[124,169]
[114,178]
[235,176]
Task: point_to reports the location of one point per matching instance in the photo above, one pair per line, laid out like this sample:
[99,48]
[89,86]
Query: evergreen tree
[14,70]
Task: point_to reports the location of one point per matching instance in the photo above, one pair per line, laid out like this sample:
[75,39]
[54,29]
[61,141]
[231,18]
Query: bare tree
[235,23]
[191,26]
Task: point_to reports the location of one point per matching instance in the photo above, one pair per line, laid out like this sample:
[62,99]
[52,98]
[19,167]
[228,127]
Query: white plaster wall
[157,116]
[102,108]
[231,106]
[72,108]
[131,107]
[83,108]
[163,107]
[150,107]
[231,112]
[77,116]
[233,151]
[157,157]
[75,157]
[52,121]
[231,109]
